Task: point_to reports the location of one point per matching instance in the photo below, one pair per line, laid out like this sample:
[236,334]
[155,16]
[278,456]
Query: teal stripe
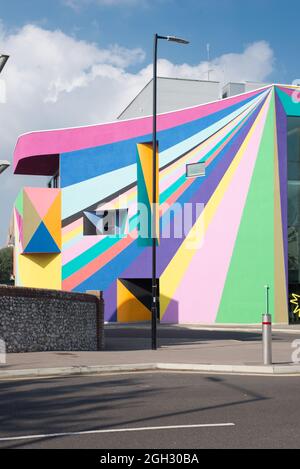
[98,249]
[76,264]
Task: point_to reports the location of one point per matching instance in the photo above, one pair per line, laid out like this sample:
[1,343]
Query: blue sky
[226,24]
[79,62]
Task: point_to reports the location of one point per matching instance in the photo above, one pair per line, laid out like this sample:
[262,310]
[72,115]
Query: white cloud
[54,80]
[255,63]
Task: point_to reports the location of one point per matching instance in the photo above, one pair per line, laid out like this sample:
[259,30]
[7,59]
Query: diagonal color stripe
[84,255]
[81,195]
[171,279]
[218,242]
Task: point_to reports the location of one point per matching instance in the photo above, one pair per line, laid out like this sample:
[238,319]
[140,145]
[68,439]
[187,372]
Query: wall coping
[7,290]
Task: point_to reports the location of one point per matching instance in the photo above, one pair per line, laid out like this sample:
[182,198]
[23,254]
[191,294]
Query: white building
[172,94]
[180,93]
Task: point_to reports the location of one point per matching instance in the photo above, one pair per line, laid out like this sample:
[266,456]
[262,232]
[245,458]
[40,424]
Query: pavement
[214,349]
[150,411]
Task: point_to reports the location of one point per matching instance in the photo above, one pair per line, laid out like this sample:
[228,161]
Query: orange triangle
[52,220]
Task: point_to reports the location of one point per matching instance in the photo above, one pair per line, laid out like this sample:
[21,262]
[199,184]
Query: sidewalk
[190,348]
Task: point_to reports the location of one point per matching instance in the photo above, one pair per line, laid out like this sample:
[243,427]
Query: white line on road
[114,430]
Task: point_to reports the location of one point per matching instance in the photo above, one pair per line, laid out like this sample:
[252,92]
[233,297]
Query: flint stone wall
[35,320]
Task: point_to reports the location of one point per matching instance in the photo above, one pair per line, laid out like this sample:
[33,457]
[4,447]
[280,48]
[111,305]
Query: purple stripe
[110,301]
[281,121]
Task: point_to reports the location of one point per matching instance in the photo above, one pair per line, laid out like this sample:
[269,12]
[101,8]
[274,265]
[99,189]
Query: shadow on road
[139,337]
[86,404]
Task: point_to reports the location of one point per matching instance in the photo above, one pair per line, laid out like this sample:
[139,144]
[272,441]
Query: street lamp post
[154,182]
[3,59]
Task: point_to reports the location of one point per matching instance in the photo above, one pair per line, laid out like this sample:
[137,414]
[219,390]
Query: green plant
[6,265]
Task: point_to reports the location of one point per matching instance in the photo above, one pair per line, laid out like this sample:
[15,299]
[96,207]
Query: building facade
[229,211]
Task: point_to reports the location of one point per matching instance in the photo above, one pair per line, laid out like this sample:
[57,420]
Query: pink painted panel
[54,142]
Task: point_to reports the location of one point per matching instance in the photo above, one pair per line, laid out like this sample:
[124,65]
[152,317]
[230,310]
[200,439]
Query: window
[105,222]
[195,170]
[54,182]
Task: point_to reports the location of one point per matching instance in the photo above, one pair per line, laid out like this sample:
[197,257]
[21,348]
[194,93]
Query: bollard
[267,332]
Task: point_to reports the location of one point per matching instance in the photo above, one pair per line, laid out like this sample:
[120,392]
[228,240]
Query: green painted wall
[252,263]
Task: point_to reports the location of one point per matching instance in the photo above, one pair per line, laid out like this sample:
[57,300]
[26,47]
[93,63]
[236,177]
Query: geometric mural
[216,270]
[41,221]
[38,238]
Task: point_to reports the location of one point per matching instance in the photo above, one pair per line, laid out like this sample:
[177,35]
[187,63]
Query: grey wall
[233,89]
[34,320]
[172,94]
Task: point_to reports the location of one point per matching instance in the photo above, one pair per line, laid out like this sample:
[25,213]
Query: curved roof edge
[37,153]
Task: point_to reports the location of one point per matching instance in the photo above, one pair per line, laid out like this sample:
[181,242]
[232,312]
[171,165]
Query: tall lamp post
[154,182]
[3,59]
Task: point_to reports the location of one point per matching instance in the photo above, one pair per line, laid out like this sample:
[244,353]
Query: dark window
[105,222]
[54,182]
[294,211]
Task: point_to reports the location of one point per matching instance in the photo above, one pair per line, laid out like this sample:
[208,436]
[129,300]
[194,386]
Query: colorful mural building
[229,211]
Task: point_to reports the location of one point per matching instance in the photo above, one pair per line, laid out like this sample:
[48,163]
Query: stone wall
[35,320]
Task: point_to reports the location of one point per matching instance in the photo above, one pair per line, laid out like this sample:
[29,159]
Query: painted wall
[214,272]
[37,216]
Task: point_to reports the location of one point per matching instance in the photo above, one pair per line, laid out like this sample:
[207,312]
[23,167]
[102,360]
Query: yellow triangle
[52,220]
[146,157]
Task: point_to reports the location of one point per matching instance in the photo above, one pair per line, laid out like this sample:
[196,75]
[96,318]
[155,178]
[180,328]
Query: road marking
[114,430]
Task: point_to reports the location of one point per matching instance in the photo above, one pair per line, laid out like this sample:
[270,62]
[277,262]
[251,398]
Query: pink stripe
[206,275]
[65,140]
[72,226]
[71,282]
[84,243]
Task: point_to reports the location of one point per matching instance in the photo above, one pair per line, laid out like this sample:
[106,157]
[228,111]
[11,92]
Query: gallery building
[229,211]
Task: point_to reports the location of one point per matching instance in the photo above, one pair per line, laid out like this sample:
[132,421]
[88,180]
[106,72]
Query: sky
[80,62]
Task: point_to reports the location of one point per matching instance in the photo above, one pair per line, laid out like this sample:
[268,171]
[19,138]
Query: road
[258,412]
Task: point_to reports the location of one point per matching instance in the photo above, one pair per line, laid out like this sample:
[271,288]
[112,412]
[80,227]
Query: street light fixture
[4,165]
[154,182]
[3,59]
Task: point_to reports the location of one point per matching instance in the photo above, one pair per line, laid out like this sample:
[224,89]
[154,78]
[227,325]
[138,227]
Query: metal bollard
[267,332]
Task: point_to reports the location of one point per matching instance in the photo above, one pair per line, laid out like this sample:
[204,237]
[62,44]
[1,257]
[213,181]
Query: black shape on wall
[141,288]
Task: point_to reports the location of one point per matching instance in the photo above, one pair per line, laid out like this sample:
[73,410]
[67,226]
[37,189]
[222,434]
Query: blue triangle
[41,242]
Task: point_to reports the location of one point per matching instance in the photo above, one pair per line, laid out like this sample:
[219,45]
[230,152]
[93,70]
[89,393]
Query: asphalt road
[265,411]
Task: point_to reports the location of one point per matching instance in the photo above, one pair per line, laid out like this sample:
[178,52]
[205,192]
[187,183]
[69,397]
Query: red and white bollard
[267,332]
